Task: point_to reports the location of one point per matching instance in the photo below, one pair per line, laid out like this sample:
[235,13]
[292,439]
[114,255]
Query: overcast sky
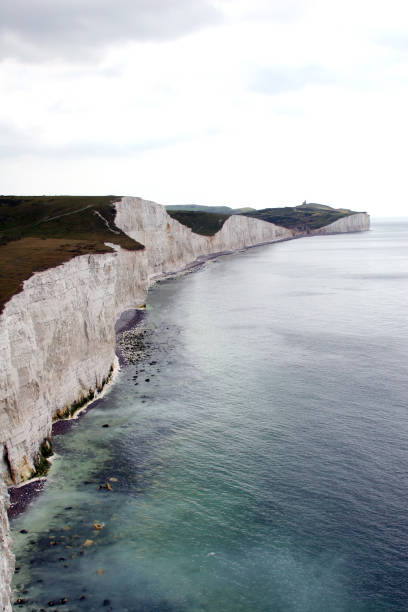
[239,102]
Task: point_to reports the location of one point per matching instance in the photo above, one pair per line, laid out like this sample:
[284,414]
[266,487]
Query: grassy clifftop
[224,210]
[204,223]
[40,232]
[304,218]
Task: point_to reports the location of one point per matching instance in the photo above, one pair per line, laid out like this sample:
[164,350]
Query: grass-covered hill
[204,223]
[224,210]
[40,232]
[304,218]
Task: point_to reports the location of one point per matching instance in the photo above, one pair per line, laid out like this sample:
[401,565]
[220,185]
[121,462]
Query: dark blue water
[263,465]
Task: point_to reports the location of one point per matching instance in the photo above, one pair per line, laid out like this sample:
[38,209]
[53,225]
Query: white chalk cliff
[6,556]
[57,339]
[358,222]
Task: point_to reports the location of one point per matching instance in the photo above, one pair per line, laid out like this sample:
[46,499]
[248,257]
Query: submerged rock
[98,526]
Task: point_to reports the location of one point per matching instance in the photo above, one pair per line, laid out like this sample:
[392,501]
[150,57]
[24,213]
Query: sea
[252,456]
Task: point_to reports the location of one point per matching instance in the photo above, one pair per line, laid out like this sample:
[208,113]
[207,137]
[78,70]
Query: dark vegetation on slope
[303,218]
[40,232]
[224,210]
[206,224]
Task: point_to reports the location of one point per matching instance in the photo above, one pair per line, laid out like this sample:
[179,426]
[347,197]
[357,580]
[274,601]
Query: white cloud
[276,103]
[288,78]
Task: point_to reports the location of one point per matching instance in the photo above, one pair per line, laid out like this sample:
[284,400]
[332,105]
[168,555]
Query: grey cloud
[37,30]
[279,80]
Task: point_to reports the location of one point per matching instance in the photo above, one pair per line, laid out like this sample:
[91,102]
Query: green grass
[42,465]
[224,210]
[206,224]
[69,411]
[302,218]
[41,232]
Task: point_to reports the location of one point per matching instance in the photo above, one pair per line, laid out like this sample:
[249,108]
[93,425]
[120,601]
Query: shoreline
[98,396]
[22,494]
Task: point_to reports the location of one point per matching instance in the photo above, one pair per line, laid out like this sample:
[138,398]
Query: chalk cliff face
[6,556]
[56,343]
[170,245]
[57,340]
[353,223]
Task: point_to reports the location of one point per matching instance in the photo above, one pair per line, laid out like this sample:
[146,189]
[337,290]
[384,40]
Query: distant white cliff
[170,246]
[359,222]
[57,339]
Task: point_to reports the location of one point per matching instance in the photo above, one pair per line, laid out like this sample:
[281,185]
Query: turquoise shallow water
[263,465]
